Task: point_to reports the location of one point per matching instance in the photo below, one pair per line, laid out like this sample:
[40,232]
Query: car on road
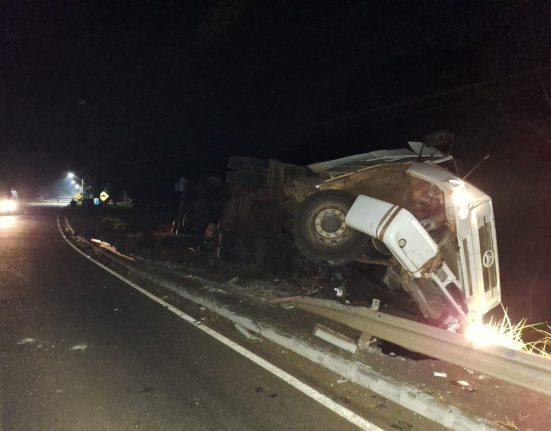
[9,202]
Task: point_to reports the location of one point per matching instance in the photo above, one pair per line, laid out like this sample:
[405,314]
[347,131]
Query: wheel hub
[330,225]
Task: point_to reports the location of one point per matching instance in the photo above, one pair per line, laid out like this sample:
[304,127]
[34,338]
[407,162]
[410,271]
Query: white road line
[325,401]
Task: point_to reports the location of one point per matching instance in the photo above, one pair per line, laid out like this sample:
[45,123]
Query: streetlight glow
[77,182]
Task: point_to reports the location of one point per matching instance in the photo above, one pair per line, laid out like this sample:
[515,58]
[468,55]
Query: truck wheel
[321,233]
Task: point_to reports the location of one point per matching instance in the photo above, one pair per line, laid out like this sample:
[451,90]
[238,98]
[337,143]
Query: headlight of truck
[462,200]
[8,205]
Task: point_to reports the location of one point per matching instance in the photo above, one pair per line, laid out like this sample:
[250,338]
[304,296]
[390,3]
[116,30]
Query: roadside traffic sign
[78,196]
[103,196]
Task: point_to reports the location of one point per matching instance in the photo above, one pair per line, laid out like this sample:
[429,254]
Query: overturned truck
[430,234]
[433,231]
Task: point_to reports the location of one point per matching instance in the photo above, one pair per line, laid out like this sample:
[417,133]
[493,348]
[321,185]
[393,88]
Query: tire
[321,233]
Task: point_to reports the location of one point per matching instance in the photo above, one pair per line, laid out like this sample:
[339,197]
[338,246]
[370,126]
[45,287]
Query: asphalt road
[80,350]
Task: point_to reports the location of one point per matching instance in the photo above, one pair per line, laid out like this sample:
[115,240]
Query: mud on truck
[434,232]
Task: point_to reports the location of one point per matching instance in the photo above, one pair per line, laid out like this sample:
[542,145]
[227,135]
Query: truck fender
[398,229]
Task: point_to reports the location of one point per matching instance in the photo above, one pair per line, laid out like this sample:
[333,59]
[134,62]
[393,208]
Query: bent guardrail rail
[519,368]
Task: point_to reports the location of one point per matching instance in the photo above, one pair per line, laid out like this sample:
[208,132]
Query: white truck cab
[438,231]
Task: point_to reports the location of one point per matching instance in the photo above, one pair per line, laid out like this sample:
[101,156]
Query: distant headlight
[462,201]
[8,205]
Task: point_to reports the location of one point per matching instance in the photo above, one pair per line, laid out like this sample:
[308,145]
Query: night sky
[137,93]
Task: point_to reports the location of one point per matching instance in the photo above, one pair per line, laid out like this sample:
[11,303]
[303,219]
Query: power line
[431,96]
[403,114]
[364,113]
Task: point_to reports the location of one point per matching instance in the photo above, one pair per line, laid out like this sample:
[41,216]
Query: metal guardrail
[519,368]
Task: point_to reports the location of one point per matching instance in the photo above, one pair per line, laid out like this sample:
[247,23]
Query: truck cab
[405,209]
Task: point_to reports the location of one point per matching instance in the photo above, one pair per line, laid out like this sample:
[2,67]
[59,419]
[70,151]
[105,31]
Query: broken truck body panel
[439,229]
[352,164]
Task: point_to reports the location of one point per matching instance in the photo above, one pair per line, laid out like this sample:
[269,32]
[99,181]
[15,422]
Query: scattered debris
[340,290]
[233,280]
[215,290]
[244,331]
[105,245]
[81,347]
[365,341]
[335,338]
[286,299]
[290,306]
[462,383]
[27,341]
[440,374]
